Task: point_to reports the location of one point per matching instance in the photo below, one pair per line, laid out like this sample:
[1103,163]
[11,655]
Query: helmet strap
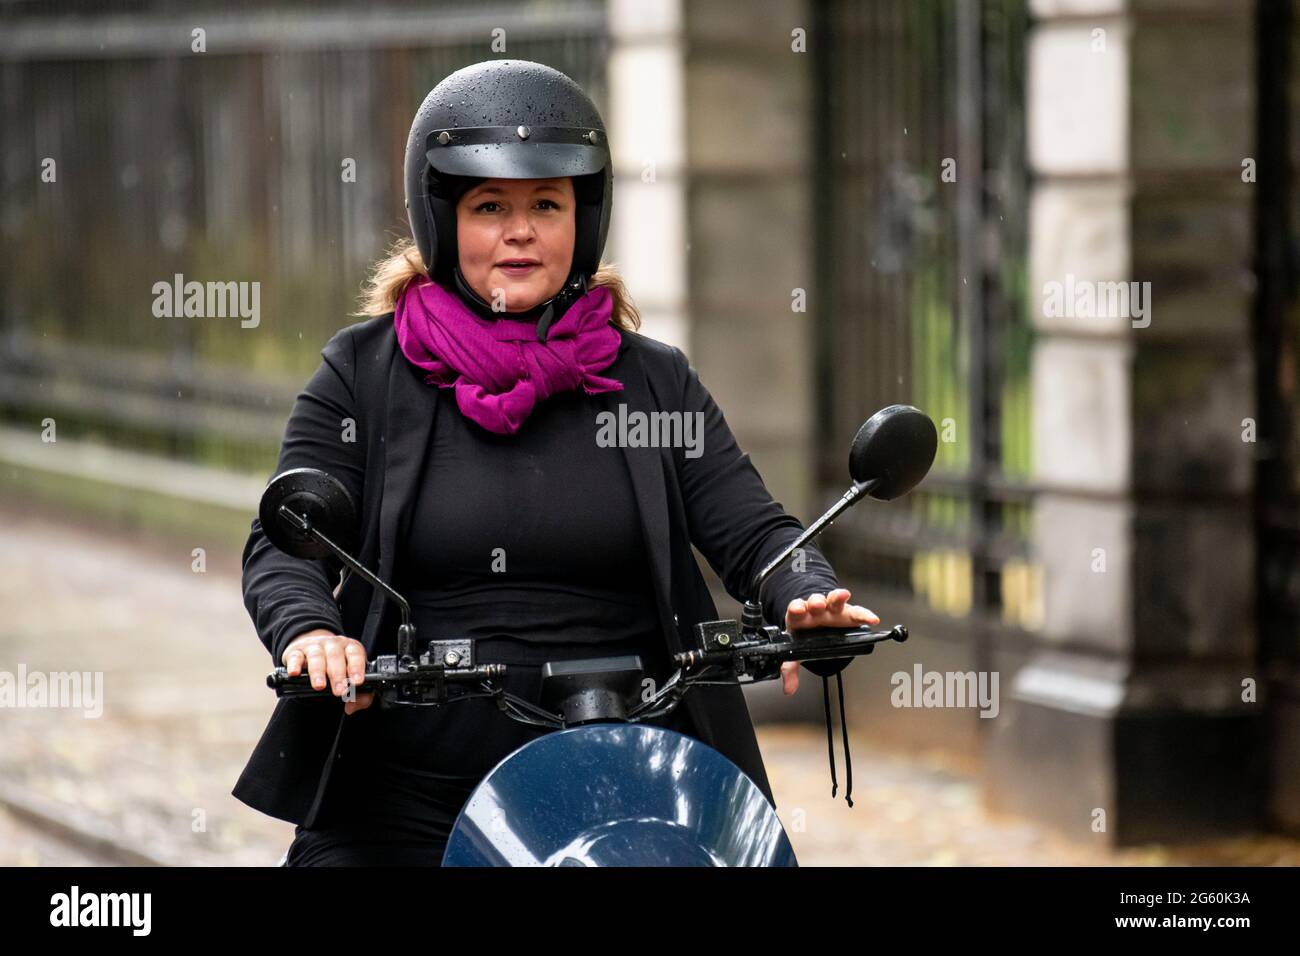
[573,289]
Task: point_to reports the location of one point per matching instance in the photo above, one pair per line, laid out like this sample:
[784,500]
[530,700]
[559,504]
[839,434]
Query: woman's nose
[519,226]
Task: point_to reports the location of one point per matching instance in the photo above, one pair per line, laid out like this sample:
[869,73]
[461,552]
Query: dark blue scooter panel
[617,795]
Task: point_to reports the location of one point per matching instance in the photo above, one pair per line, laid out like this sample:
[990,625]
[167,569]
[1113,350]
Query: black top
[535,535]
[531,545]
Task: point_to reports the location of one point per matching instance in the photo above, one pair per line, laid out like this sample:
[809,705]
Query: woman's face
[515,239]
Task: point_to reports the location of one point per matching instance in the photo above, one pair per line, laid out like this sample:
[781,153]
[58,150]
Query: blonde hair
[402,263]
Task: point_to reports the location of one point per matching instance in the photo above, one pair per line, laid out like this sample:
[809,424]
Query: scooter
[605,788]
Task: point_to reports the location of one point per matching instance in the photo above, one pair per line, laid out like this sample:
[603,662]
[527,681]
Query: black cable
[830,739]
[844,733]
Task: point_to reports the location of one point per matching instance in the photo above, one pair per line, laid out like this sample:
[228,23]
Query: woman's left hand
[821,610]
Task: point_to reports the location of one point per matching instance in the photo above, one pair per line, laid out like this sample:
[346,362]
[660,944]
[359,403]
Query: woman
[464,419]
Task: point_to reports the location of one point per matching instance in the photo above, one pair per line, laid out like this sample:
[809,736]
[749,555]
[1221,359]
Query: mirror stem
[406,631]
[752,613]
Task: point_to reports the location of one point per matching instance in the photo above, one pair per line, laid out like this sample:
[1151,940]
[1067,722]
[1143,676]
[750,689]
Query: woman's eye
[551,203]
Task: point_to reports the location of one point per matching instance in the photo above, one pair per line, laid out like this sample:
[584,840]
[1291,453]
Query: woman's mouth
[518,267]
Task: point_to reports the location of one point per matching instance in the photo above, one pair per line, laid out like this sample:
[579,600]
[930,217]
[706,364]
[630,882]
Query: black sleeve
[286,596]
[732,517]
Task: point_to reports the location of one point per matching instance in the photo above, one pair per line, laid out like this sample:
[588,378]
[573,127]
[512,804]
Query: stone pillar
[749,226]
[1128,722]
[647,118]
[711,124]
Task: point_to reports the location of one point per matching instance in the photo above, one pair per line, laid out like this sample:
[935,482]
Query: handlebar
[728,653]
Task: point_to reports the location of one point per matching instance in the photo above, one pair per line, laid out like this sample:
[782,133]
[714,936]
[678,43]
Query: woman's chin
[513,309]
[522,300]
[521,294]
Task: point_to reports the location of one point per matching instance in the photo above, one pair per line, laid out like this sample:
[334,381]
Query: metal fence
[921,213]
[132,156]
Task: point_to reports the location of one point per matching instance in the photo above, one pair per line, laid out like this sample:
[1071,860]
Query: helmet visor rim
[500,152]
[541,161]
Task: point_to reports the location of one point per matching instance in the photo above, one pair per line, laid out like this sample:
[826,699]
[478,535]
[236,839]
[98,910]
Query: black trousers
[404,820]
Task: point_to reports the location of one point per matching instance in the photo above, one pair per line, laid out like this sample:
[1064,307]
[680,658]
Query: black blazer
[716,502]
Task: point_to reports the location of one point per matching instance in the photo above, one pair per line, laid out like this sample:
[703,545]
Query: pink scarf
[497,367]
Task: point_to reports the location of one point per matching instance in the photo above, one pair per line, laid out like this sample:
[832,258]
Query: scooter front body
[617,794]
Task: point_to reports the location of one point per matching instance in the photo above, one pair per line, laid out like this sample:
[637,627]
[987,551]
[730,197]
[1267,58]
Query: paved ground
[915,810]
[183,698]
[184,702]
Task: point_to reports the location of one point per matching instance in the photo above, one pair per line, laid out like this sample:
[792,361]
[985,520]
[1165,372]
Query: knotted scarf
[496,367]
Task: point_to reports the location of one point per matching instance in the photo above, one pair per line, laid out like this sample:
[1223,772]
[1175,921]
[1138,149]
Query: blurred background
[831,206]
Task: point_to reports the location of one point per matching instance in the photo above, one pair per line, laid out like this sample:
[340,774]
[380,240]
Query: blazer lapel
[645,466]
[408,429]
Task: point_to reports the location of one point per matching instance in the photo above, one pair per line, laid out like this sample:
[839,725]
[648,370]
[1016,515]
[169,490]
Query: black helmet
[507,119]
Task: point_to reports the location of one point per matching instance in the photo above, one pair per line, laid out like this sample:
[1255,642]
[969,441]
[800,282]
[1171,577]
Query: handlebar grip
[300,686]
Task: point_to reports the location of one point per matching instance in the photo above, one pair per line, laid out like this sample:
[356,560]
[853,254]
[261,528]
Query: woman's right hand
[331,659]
